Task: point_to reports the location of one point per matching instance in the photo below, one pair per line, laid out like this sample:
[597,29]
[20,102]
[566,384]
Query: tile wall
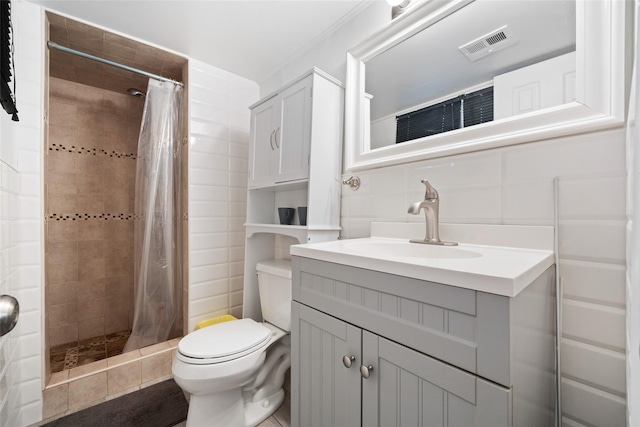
[219,122]
[21,248]
[514,185]
[90,186]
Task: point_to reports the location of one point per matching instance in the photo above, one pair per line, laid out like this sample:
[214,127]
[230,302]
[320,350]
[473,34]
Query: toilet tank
[274,284]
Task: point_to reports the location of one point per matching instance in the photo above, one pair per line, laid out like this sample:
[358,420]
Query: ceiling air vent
[489,43]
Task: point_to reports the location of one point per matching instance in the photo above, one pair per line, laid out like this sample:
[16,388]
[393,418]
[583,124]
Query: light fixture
[398,7]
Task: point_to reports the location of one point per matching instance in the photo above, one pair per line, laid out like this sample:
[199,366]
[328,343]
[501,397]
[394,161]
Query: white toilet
[234,370]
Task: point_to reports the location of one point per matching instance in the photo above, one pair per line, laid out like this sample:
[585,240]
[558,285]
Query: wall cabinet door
[407,388]
[324,392]
[281,136]
[293,135]
[262,149]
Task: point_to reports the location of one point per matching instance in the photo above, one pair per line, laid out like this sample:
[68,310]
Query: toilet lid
[224,339]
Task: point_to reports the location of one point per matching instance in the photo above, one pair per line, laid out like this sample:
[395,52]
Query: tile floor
[78,353]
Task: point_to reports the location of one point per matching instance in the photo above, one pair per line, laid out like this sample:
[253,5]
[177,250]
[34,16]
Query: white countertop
[498,270]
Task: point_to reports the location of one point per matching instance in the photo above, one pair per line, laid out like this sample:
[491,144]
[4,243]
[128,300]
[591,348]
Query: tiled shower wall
[90,185]
[514,185]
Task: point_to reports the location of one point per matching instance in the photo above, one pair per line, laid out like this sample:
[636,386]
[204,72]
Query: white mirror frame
[600,82]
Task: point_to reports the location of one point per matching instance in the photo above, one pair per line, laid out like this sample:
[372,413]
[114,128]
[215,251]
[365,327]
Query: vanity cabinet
[403,387]
[295,160]
[375,349]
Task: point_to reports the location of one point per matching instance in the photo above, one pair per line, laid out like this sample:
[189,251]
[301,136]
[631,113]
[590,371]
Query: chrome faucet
[431,207]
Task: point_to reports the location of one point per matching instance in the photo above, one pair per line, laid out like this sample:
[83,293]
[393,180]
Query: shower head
[135,92]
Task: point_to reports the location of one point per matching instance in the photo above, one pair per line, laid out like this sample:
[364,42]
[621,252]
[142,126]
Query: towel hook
[353,182]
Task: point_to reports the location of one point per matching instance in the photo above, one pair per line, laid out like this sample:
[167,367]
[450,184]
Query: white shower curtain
[633,237]
[157,239]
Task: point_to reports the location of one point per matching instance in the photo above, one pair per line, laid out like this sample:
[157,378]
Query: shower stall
[113,195]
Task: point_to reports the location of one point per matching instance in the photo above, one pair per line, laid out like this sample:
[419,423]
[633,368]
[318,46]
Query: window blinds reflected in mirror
[456,113]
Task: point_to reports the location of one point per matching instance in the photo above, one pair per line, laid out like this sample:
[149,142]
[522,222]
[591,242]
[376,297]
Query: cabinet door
[293,135]
[407,388]
[323,391]
[262,154]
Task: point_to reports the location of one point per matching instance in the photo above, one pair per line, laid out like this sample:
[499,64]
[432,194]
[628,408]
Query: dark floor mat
[160,405]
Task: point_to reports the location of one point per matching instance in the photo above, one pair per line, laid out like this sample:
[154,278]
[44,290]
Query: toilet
[234,371]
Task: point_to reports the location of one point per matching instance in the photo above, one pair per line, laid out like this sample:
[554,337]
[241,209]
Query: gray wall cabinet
[375,349]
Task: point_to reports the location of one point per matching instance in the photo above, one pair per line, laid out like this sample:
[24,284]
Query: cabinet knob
[365,371]
[347,360]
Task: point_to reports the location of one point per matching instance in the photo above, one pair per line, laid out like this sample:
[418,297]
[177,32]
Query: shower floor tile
[70,355]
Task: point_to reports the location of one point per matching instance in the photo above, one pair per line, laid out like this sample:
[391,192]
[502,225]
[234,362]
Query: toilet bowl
[234,371]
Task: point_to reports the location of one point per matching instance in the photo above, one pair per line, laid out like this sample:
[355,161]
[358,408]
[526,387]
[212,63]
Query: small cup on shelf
[302,215]
[286,215]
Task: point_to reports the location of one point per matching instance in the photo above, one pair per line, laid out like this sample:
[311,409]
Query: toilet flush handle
[347,361]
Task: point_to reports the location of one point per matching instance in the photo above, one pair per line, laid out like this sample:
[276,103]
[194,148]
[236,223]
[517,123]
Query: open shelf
[299,232]
[300,184]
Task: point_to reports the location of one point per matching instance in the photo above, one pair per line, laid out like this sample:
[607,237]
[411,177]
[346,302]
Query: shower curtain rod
[113,64]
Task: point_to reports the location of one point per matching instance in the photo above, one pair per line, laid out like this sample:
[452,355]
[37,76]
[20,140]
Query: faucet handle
[430,192]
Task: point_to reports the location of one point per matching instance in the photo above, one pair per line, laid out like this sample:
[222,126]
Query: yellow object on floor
[219,319]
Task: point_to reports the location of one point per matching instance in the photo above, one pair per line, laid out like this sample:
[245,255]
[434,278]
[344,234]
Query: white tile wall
[21,223]
[219,122]
[9,278]
[514,185]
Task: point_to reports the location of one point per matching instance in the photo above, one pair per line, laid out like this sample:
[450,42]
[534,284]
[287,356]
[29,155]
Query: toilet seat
[223,342]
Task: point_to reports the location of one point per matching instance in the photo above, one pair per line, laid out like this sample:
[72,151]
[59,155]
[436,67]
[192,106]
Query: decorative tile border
[86,217]
[92,151]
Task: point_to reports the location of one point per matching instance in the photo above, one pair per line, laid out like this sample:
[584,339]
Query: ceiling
[250,38]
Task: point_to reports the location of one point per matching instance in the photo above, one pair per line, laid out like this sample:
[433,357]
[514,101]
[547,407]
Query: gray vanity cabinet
[404,387]
[374,349]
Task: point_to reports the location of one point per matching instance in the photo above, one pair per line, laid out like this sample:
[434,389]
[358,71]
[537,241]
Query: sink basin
[496,259]
[410,250]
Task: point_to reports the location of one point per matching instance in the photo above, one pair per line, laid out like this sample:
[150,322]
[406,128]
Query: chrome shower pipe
[52,45]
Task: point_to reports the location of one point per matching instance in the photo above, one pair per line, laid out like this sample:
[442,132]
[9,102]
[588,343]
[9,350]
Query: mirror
[546,69]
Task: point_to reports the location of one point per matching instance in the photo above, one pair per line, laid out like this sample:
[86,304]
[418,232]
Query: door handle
[276,137]
[9,312]
[271,139]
